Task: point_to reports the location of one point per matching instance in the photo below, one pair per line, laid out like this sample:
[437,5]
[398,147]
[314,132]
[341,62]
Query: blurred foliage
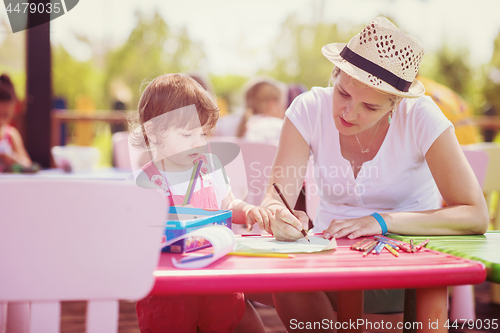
[297,53]
[228,87]
[491,72]
[152,49]
[453,69]
[71,78]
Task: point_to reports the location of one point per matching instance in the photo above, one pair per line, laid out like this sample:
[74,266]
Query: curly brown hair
[167,93]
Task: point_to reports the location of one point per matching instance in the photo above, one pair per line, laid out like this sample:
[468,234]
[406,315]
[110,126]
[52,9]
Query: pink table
[346,271]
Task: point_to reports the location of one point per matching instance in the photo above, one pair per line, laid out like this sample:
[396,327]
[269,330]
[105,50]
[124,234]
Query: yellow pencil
[254,254]
[390,249]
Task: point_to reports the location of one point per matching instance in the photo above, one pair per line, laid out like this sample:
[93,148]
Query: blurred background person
[12,150]
[264,111]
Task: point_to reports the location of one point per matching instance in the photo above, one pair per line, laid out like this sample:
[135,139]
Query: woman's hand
[354,228]
[287,227]
[260,215]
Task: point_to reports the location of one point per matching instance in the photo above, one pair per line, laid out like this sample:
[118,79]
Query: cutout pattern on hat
[382,43]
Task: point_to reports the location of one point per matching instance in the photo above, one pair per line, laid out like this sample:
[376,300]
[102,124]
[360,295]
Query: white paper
[270,244]
[221,238]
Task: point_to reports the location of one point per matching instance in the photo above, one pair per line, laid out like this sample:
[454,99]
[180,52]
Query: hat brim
[332,53]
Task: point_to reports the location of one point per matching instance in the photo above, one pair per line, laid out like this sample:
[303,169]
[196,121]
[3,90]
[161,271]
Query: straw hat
[381,56]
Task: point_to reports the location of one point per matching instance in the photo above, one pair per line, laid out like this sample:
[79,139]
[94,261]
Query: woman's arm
[288,173]
[466,212]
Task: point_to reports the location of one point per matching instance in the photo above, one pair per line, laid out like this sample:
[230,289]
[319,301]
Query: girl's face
[357,107]
[181,146]
[6,111]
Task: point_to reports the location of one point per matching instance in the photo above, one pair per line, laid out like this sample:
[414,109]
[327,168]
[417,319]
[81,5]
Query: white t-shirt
[178,182]
[397,179]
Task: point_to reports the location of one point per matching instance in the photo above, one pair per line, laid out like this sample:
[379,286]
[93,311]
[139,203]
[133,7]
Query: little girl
[174,118]
[12,149]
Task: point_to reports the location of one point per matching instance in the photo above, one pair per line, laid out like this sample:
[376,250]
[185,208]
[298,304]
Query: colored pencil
[395,247]
[255,254]
[421,245]
[412,246]
[357,246]
[390,249]
[304,233]
[367,245]
[369,250]
[402,245]
[192,183]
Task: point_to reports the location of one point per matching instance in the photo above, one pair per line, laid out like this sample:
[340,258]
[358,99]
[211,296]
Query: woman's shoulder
[423,104]
[312,102]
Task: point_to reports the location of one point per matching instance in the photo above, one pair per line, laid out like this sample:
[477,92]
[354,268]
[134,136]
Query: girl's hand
[287,227]
[260,215]
[353,228]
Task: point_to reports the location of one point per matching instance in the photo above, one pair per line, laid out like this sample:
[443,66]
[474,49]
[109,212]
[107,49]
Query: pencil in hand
[304,233]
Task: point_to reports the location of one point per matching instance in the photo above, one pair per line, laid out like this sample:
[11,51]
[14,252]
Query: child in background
[12,149]
[174,118]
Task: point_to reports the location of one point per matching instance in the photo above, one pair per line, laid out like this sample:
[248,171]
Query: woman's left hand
[353,228]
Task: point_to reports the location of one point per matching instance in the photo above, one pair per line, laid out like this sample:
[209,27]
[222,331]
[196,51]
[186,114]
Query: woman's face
[357,107]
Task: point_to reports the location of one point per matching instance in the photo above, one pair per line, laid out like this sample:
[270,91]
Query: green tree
[297,53]
[152,49]
[453,69]
[491,88]
[71,78]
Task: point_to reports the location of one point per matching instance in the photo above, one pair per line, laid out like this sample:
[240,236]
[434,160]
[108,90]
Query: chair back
[77,240]
[250,171]
[492,176]
[121,155]
[478,160]
[312,191]
[491,184]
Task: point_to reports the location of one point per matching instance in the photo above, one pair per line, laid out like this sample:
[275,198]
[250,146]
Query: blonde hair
[167,93]
[336,72]
[257,100]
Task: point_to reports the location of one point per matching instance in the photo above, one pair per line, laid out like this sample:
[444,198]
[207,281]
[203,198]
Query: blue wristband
[380,221]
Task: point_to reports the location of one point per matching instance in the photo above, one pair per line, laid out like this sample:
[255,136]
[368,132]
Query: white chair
[249,172]
[66,240]
[462,298]
[121,155]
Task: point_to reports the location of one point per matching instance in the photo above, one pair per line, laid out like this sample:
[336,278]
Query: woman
[378,147]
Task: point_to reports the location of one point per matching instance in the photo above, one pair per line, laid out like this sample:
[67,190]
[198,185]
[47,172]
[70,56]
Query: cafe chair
[67,240]
[462,297]
[121,155]
[249,172]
